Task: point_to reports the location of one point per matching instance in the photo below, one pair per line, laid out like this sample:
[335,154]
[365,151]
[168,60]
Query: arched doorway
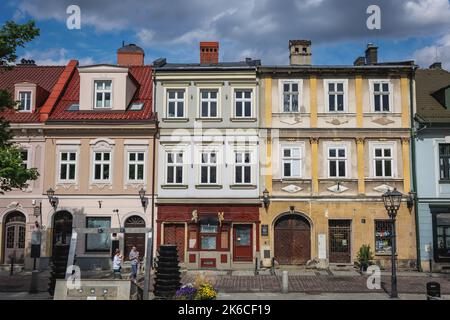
[292,237]
[14,237]
[62,228]
[134,239]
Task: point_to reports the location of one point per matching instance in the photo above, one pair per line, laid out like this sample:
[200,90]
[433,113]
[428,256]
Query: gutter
[413,171]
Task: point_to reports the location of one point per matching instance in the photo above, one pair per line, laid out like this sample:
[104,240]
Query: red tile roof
[143,77]
[43,76]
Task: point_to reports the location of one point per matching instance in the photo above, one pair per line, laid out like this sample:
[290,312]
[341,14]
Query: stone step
[7,267]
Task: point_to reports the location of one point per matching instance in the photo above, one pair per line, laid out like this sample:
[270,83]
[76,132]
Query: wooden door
[14,237]
[134,239]
[174,234]
[292,240]
[243,242]
[340,237]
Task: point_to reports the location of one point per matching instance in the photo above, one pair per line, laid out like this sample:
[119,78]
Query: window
[243,168]
[175,104]
[336,96]
[383,233]
[292,162]
[24,157]
[337,162]
[243,103]
[290,96]
[136,162]
[174,168]
[381,96]
[443,235]
[98,242]
[25,101]
[444,161]
[208,237]
[208,103]
[383,161]
[67,166]
[102,166]
[103,93]
[208,170]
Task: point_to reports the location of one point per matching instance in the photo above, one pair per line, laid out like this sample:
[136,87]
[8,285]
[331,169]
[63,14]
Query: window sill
[336,113]
[175,119]
[243,119]
[209,119]
[175,186]
[243,186]
[208,186]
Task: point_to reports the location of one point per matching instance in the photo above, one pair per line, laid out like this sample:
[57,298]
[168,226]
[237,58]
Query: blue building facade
[432,166]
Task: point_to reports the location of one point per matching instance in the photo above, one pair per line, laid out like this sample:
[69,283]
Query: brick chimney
[130,55]
[300,52]
[371,54]
[209,52]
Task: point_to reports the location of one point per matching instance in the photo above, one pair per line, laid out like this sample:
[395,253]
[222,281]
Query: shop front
[221,237]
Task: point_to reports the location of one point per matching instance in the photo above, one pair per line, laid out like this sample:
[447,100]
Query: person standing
[117,265]
[134,259]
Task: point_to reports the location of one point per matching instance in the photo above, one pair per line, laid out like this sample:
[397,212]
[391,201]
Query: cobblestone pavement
[309,283]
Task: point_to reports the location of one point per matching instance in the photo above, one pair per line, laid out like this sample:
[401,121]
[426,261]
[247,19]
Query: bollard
[433,291]
[285,282]
[256,266]
[34,282]
[11,271]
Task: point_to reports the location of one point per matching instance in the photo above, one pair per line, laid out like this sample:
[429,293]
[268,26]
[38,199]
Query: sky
[261,29]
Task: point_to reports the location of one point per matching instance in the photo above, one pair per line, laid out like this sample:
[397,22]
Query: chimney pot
[130,55]
[371,54]
[209,52]
[300,52]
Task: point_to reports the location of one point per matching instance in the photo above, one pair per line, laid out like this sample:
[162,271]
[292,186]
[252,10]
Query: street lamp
[52,199]
[143,198]
[392,201]
[266,199]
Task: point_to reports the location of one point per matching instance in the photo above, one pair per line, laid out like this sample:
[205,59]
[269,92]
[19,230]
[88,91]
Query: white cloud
[438,52]
[53,56]
[424,12]
[145,36]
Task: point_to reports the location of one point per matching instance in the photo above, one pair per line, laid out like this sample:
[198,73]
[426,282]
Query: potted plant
[186,292]
[365,257]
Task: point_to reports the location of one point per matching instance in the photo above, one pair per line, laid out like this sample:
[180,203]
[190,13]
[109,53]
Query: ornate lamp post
[266,198]
[149,253]
[392,201]
[52,199]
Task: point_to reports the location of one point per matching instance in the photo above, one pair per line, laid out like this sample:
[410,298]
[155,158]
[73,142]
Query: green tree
[12,172]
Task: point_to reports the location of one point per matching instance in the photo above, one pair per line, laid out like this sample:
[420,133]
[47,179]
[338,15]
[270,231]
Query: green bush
[365,257]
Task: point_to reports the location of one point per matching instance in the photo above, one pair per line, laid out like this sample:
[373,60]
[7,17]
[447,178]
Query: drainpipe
[413,175]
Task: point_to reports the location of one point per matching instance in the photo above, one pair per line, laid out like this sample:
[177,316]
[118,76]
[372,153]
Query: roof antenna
[123,43]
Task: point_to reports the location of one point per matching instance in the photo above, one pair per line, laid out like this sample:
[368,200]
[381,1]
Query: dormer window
[25,104]
[103,94]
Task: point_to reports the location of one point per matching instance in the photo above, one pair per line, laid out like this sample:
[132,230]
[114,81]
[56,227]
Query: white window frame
[102,163]
[68,163]
[103,92]
[372,82]
[392,147]
[209,164]
[337,159]
[28,108]
[243,164]
[243,100]
[326,84]
[28,151]
[291,159]
[209,100]
[174,165]
[176,100]
[299,83]
[136,163]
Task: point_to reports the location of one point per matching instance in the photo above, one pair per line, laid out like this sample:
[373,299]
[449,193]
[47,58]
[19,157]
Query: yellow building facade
[333,140]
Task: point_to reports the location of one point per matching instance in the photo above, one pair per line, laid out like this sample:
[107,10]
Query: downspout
[413,171]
